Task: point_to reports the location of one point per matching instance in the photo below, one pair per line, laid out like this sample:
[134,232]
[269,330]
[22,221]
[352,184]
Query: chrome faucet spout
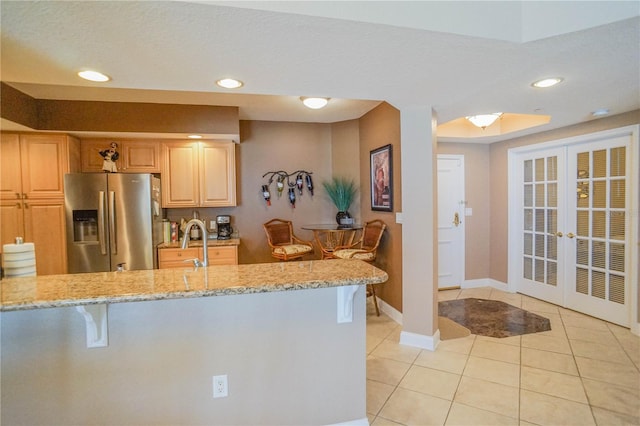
[185,238]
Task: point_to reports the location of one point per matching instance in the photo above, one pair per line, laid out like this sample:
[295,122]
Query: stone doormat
[492,318]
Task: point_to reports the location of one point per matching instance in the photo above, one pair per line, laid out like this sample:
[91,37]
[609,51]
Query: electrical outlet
[220,387]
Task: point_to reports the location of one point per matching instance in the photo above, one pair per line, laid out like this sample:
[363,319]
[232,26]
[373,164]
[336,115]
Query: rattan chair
[283,244]
[366,249]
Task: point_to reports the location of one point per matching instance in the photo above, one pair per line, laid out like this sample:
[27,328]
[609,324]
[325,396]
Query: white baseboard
[420,340]
[390,311]
[358,422]
[485,282]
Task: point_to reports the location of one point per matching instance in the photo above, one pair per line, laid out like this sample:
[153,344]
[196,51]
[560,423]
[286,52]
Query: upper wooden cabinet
[136,156]
[198,174]
[34,165]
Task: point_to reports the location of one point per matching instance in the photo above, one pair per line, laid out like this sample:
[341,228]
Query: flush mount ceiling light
[94,76]
[229,83]
[314,103]
[547,82]
[483,120]
[601,112]
[194,137]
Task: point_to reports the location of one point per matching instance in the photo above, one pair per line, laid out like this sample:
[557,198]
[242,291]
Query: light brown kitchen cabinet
[222,255]
[178,258]
[34,165]
[198,174]
[32,194]
[135,156]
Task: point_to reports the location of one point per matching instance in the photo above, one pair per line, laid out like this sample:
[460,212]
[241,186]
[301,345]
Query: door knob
[571,235]
[456,219]
[558,234]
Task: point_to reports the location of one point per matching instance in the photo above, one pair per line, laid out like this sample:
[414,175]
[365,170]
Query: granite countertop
[199,243]
[51,291]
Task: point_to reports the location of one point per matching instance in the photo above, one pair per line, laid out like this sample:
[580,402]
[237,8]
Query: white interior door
[599,244]
[451,208]
[541,221]
[570,226]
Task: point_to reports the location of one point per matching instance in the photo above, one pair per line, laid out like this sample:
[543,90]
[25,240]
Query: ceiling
[460,58]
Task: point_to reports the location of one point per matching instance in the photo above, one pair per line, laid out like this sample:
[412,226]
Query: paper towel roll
[19,260]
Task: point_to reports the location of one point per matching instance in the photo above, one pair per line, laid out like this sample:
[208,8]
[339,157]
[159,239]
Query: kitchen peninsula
[283,333]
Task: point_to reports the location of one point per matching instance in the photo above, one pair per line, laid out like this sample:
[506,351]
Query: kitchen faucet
[185,238]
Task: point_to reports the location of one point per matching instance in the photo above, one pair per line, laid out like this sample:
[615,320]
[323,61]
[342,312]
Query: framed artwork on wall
[382,179]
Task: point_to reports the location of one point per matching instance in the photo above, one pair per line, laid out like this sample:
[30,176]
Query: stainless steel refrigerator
[112,219]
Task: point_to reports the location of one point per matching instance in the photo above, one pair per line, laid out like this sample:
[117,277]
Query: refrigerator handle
[101,229]
[112,222]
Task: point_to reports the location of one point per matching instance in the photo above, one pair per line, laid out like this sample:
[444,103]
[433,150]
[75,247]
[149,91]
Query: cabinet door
[10,177]
[180,174]
[45,225]
[177,258]
[90,155]
[227,255]
[217,174]
[140,157]
[11,221]
[44,161]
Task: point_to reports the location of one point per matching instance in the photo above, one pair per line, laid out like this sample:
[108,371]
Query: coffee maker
[224,227]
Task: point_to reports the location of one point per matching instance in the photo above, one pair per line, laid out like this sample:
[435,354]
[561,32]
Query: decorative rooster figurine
[309,184]
[280,185]
[292,197]
[299,182]
[266,194]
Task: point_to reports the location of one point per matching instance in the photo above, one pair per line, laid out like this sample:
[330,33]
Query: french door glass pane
[600,224]
[600,163]
[528,171]
[616,226]
[618,161]
[540,223]
[528,219]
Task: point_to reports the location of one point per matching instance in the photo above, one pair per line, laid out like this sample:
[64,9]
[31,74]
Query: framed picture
[382,179]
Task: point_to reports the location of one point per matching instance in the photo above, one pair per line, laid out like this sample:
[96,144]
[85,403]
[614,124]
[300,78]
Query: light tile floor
[583,372]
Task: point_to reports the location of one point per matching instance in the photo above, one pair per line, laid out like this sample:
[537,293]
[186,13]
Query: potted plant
[342,191]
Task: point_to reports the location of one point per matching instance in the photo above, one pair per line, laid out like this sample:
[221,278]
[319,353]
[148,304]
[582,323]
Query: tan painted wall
[345,150]
[272,146]
[477,231]
[499,184]
[379,127]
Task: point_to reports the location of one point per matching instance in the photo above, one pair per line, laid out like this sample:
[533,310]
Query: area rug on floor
[451,329]
[492,318]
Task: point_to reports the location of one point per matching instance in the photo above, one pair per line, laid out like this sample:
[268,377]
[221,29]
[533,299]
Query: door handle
[571,235]
[559,234]
[101,219]
[112,222]
[456,219]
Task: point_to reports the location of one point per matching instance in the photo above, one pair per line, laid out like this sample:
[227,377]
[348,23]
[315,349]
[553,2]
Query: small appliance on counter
[224,227]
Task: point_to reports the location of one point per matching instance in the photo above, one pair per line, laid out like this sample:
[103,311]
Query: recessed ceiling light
[314,103]
[547,82]
[229,83]
[94,76]
[600,112]
[484,120]
[194,137]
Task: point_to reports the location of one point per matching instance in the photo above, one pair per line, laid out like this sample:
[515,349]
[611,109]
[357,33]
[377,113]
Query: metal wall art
[302,179]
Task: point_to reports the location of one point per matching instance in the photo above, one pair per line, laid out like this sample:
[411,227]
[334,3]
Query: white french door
[571,205]
[543,215]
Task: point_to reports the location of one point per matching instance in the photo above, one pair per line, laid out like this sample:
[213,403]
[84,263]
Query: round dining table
[329,236]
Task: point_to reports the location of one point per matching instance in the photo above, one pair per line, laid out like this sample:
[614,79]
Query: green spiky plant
[342,191]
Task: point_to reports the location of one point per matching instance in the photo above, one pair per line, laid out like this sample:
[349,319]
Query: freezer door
[130,222]
[87,232]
